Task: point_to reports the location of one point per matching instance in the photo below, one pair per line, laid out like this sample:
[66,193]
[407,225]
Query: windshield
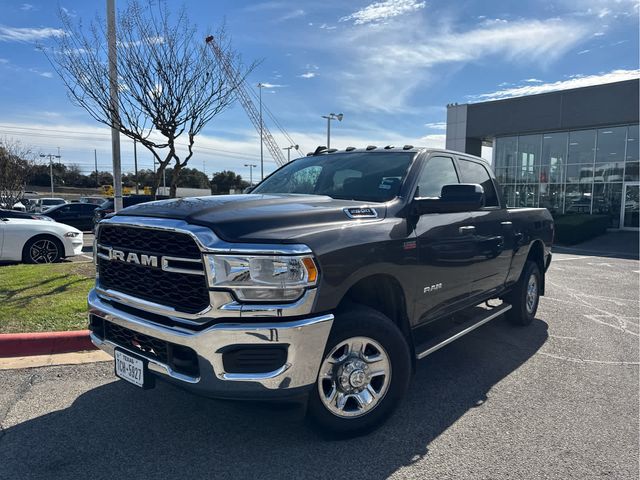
[372,177]
[53,202]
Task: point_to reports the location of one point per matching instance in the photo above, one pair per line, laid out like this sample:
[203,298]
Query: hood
[237,218]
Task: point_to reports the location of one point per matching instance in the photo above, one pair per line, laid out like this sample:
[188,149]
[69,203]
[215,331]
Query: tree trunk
[174,179]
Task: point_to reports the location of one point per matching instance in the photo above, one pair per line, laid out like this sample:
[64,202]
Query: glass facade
[582,171]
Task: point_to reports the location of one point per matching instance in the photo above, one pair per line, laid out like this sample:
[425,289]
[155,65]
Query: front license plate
[130,368]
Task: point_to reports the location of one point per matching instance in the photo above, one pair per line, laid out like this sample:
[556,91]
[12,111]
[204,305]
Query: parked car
[78,215]
[329,280]
[107,206]
[40,205]
[95,200]
[16,214]
[37,241]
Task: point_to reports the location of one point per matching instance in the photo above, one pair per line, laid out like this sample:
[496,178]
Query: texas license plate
[130,368]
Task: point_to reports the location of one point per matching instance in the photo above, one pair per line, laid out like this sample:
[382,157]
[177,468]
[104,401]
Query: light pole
[288,149]
[260,86]
[51,157]
[251,167]
[331,116]
[113,105]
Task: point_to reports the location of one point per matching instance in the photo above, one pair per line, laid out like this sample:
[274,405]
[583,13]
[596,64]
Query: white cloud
[291,15]
[436,125]
[324,26]
[582,52]
[598,34]
[392,62]
[26,7]
[575,81]
[434,141]
[533,80]
[3,61]
[17,34]
[307,75]
[381,11]
[271,85]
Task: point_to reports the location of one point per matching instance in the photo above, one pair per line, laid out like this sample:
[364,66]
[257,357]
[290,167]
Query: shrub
[572,229]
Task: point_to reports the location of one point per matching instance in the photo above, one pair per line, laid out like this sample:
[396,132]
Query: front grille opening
[185,291]
[181,359]
[148,240]
[182,291]
[254,358]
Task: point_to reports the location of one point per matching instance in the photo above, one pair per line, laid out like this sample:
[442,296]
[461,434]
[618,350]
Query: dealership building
[571,151]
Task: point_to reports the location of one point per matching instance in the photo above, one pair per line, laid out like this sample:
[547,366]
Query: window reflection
[582,144]
[554,157]
[570,172]
[528,163]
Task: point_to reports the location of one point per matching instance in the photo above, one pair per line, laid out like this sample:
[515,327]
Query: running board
[442,340]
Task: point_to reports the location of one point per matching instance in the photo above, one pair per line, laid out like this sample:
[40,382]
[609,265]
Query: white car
[37,241]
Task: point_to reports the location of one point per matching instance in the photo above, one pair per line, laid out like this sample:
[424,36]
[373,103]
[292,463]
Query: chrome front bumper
[306,340]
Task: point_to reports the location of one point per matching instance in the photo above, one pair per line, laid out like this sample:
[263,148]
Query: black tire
[43,249]
[525,303]
[376,330]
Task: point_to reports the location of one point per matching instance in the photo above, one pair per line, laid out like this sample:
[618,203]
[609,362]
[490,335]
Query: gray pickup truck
[326,283]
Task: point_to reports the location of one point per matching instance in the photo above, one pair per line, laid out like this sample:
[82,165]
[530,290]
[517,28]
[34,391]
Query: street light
[260,86]
[331,116]
[251,167]
[51,157]
[288,149]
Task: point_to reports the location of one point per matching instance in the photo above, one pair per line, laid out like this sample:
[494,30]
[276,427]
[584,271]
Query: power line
[60,134]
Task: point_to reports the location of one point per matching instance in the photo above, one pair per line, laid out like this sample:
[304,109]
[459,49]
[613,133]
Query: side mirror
[248,189]
[457,197]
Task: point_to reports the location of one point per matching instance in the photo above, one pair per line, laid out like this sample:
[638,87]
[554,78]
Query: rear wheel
[364,374]
[525,295]
[42,250]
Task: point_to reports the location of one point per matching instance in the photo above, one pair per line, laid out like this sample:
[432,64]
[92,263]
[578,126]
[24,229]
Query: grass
[44,298]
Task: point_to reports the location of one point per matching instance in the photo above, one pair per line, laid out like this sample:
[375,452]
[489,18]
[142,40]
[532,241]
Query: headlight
[71,234]
[262,278]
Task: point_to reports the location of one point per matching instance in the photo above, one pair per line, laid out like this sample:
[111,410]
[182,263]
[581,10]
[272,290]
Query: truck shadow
[119,431]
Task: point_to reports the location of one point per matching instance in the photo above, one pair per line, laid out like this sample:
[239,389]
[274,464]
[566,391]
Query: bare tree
[170,84]
[16,162]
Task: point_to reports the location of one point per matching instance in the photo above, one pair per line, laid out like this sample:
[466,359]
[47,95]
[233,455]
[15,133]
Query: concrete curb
[44,343]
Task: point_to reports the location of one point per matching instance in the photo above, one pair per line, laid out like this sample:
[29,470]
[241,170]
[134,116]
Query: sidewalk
[612,244]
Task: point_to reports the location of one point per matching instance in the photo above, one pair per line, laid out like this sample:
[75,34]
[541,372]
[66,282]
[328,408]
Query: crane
[247,103]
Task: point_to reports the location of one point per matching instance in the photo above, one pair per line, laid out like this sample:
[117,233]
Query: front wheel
[42,250]
[364,374]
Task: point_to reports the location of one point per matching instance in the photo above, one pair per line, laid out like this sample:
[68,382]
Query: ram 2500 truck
[328,281]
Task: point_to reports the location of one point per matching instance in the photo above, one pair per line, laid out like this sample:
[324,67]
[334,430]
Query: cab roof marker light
[349,149]
[407,147]
[332,150]
[389,147]
[371,147]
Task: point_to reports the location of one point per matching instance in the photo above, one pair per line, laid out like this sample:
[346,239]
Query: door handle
[467,229]
[506,224]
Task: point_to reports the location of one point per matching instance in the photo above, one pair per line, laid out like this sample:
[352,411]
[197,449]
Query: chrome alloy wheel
[532,294]
[43,251]
[354,377]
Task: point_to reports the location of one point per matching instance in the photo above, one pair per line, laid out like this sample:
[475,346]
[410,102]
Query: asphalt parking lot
[558,399]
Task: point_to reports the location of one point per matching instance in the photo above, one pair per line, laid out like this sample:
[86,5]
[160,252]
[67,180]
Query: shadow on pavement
[622,244]
[119,431]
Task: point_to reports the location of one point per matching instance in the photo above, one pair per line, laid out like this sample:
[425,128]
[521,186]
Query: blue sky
[390,66]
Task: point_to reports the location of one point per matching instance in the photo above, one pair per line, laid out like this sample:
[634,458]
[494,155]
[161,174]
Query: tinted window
[88,208]
[375,177]
[437,172]
[472,172]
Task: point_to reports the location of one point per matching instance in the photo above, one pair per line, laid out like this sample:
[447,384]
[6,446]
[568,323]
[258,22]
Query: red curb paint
[44,343]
